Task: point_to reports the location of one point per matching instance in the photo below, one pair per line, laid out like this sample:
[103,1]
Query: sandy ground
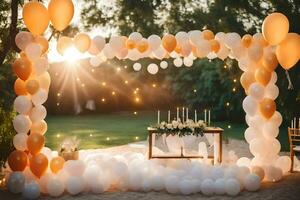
[287,188]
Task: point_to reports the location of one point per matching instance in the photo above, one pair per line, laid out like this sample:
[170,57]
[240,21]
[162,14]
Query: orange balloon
[57,164]
[38,164]
[177,49]
[208,35]
[61,13]
[35,143]
[130,44]
[215,45]
[270,62]
[17,160]
[20,87]
[267,108]
[142,46]
[82,42]
[36,17]
[22,67]
[275,28]
[169,42]
[288,51]
[263,76]
[39,127]
[43,42]
[32,86]
[247,78]
[63,44]
[247,40]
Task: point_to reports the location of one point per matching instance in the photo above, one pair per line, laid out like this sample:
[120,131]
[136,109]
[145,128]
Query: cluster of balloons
[97,172]
[37,17]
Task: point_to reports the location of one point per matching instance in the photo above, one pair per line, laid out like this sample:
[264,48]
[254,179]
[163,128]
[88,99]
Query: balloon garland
[257,56]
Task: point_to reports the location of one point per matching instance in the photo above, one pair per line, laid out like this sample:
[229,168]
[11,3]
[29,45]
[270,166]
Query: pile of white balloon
[99,172]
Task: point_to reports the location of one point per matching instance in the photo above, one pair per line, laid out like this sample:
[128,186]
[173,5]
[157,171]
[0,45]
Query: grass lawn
[107,130]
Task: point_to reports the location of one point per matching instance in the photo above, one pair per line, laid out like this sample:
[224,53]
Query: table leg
[216,148]
[150,146]
[220,148]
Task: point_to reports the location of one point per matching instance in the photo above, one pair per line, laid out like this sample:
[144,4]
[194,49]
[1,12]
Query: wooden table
[216,131]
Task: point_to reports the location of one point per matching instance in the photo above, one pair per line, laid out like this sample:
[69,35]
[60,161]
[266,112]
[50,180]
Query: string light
[91,135]
[234,80]
[154,85]
[82,85]
[113,93]
[118,69]
[58,135]
[135,92]
[77,79]
[234,89]
[135,113]
[58,94]
[107,139]
[125,66]
[195,90]
[136,137]
[137,89]
[57,104]
[103,83]
[137,99]
[227,104]
[228,126]
[93,70]
[103,99]
[225,66]
[126,82]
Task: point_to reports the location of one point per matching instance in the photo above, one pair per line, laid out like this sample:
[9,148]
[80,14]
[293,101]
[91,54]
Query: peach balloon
[61,13]
[263,76]
[39,127]
[270,62]
[23,68]
[275,28]
[44,80]
[35,143]
[43,42]
[63,44]
[38,164]
[142,46]
[130,44]
[258,171]
[267,108]
[287,51]
[57,164]
[215,45]
[247,40]
[82,42]
[20,87]
[247,78]
[169,42]
[36,17]
[208,35]
[32,86]
[17,160]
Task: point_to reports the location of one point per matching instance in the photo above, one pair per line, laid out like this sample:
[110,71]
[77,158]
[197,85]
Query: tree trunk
[9,43]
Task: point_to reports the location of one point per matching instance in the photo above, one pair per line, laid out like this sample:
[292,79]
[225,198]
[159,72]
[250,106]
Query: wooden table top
[206,130]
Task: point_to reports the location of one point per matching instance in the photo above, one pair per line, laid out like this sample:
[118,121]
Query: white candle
[183,114]
[177,113]
[169,116]
[205,116]
[158,117]
[299,122]
[295,122]
[187,114]
[208,117]
[195,115]
[292,124]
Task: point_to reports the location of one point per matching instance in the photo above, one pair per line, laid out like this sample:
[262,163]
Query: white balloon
[232,187]
[37,113]
[163,64]
[116,43]
[134,54]
[40,66]
[257,91]
[188,61]
[75,185]
[219,186]
[195,36]
[257,147]
[220,36]
[152,68]
[20,141]
[252,182]
[47,152]
[250,106]
[39,97]
[108,52]
[159,53]
[182,37]
[31,191]
[243,162]
[276,119]
[217,172]
[33,51]
[272,174]
[273,78]
[178,62]
[16,182]
[22,104]
[232,40]
[252,133]
[270,130]
[137,66]
[95,61]
[284,163]
[185,187]
[272,91]
[171,184]
[99,42]
[154,42]
[238,51]
[23,39]
[207,187]
[256,121]
[135,36]
[203,48]
[255,51]
[223,52]
[22,123]
[55,187]
[74,167]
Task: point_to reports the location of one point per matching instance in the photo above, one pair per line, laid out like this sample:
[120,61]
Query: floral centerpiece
[69,149]
[176,127]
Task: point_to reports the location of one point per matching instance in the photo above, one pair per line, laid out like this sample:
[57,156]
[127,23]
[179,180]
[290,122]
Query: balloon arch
[257,56]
